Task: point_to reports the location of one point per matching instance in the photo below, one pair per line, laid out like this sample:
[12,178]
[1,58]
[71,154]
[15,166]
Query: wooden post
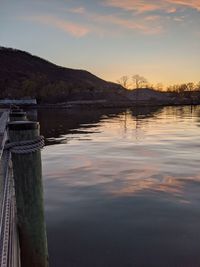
[17,116]
[29,197]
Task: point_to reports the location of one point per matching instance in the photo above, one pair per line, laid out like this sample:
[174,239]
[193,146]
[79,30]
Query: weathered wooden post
[29,196]
[17,116]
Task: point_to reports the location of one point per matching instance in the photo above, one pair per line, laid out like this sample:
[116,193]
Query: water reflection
[122,187]
[56,123]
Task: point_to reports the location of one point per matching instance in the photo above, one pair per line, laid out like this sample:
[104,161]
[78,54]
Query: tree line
[137,81]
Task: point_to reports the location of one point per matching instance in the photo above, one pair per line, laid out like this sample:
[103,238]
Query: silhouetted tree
[139,81]
[123,81]
[190,86]
[197,86]
[159,87]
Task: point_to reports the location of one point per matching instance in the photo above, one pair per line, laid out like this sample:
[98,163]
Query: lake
[122,187]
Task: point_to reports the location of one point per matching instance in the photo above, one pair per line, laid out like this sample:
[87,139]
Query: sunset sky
[110,38]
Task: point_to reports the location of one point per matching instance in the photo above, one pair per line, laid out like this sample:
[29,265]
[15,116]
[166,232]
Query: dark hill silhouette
[146,94]
[22,75]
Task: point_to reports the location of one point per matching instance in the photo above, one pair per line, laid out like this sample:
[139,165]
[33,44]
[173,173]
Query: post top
[23,125]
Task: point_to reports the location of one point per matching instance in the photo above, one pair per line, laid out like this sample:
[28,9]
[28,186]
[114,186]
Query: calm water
[122,187]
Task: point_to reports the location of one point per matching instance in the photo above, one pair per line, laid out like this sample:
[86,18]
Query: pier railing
[9,244]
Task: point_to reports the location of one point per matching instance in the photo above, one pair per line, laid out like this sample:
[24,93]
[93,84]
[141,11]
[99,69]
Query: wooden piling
[29,197]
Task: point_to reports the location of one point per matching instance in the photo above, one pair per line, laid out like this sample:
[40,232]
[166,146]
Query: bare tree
[159,87]
[139,81]
[181,88]
[198,86]
[124,81]
[190,86]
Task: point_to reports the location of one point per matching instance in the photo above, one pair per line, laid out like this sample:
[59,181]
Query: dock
[15,222]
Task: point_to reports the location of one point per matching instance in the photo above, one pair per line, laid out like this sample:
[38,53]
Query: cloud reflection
[170,185]
[116,164]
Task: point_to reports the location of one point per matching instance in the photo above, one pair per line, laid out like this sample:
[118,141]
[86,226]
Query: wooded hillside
[25,75]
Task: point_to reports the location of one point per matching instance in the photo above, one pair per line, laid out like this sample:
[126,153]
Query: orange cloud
[74,29]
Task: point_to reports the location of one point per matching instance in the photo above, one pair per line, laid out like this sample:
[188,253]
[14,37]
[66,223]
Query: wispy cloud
[142,17]
[69,27]
[153,18]
[149,5]
[77,10]
[137,5]
[171,10]
[128,24]
[195,4]
[143,26]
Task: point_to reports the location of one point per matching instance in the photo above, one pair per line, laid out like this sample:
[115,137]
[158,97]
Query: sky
[159,40]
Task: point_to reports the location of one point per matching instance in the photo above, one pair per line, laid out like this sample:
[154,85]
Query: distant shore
[99,105]
[129,99]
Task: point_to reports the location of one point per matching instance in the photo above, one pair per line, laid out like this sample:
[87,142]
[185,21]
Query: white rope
[25,147]
[9,246]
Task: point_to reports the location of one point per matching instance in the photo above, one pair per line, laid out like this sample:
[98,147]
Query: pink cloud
[131,24]
[169,6]
[152,18]
[137,5]
[171,10]
[74,29]
[195,4]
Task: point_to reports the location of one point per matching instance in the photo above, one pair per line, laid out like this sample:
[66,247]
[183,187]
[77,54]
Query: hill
[146,94]
[25,75]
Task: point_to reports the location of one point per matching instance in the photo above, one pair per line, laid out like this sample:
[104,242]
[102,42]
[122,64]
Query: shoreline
[98,105]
